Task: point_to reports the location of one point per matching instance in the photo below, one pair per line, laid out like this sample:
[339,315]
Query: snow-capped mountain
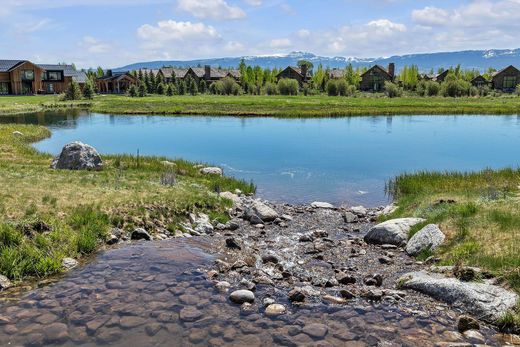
[477,59]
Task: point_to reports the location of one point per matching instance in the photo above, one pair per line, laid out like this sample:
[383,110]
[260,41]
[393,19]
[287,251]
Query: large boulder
[78,156]
[211,171]
[428,238]
[266,213]
[488,302]
[392,232]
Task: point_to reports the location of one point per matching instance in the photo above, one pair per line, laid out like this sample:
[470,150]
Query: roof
[234,73]
[337,73]
[68,71]
[116,76]
[378,67]
[503,70]
[8,65]
[479,77]
[294,68]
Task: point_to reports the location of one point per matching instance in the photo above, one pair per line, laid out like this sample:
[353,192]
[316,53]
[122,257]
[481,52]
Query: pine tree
[132,91]
[160,89]
[88,90]
[142,91]
[192,87]
[169,90]
[140,75]
[203,87]
[151,82]
[73,91]
[181,87]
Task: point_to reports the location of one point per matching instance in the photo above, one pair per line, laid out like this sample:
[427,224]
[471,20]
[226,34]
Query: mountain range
[476,59]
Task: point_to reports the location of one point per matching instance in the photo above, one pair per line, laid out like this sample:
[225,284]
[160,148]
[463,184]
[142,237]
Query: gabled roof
[234,73]
[377,67]
[337,73]
[116,76]
[479,77]
[294,68]
[496,73]
[8,65]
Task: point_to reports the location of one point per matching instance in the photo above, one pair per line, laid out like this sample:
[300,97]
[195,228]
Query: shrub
[132,91]
[342,87]
[73,91]
[332,88]
[351,90]
[271,88]
[287,86]
[88,90]
[455,88]
[517,91]
[226,86]
[483,90]
[432,88]
[392,90]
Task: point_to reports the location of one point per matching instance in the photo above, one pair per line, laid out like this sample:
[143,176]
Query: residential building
[115,82]
[373,80]
[300,74]
[479,81]
[506,79]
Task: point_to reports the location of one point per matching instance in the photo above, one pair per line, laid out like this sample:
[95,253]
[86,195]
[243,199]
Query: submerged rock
[428,238]
[78,156]
[466,322]
[488,302]
[393,232]
[275,310]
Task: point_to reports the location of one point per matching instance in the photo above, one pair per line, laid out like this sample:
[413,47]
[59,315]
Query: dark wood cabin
[373,80]
[295,73]
[479,82]
[506,79]
[20,77]
[115,82]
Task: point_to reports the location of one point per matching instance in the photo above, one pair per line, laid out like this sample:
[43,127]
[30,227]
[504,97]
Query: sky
[113,33]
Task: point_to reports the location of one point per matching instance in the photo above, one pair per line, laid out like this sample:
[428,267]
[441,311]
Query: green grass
[280,106]
[479,212]
[46,215]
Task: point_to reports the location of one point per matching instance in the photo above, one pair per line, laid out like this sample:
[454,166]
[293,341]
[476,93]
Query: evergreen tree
[140,75]
[242,67]
[192,87]
[146,79]
[73,91]
[88,90]
[181,87]
[132,91]
[169,90]
[100,71]
[203,87]
[160,89]
[142,91]
[151,82]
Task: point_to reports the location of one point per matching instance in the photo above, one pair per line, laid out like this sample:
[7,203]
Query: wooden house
[479,81]
[336,74]
[115,82]
[56,78]
[506,79]
[440,77]
[373,80]
[207,73]
[295,73]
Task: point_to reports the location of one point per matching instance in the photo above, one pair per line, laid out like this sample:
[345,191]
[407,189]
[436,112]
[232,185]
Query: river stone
[56,333]
[211,171]
[242,296]
[428,238]
[140,234]
[393,232]
[78,156]
[69,263]
[320,204]
[466,322]
[4,283]
[275,310]
[266,213]
[488,302]
[360,211]
[350,217]
[190,314]
[315,330]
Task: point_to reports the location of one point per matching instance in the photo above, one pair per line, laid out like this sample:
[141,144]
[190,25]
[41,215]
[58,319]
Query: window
[53,76]
[28,75]
[4,88]
[50,88]
[509,82]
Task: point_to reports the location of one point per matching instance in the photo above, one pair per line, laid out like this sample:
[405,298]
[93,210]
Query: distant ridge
[478,59]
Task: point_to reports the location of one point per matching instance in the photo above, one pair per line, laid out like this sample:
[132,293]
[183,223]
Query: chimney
[207,72]
[109,73]
[391,69]
[304,70]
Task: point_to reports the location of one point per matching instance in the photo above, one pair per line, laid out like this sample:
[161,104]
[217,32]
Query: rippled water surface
[340,160]
[151,294]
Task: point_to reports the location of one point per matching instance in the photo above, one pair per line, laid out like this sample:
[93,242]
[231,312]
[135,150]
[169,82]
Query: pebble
[242,296]
[275,310]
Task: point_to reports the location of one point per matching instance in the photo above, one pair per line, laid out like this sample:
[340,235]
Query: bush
[203,87]
[271,89]
[287,86]
[73,91]
[484,90]
[453,87]
[88,90]
[517,91]
[332,88]
[226,86]
[342,87]
[351,90]
[132,91]
[392,90]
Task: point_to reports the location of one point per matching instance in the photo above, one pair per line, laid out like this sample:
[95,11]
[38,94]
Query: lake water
[339,160]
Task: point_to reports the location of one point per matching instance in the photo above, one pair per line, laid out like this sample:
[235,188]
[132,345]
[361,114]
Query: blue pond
[339,160]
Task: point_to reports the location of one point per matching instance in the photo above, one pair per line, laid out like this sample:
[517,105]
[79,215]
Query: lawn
[46,215]
[282,106]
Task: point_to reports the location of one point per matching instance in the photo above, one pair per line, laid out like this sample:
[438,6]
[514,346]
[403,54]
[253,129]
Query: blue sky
[113,33]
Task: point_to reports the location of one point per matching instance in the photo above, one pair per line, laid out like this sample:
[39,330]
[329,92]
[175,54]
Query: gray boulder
[4,283]
[360,211]
[320,204]
[392,232]
[140,234]
[428,238]
[266,213]
[350,217]
[69,263]
[78,156]
[486,301]
[242,296]
[211,171]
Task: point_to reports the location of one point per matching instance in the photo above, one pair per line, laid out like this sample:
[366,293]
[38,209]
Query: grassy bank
[46,215]
[282,106]
[479,212]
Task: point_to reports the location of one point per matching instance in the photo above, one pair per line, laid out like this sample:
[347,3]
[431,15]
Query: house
[336,74]
[440,77]
[115,82]
[21,77]
[295,73]
[479,81]
[373,80]
[207,73]
[506,79]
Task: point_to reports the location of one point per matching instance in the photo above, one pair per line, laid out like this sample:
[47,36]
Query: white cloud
[95,46]
[253,2]
[215,9]
[170,30]
[280,43]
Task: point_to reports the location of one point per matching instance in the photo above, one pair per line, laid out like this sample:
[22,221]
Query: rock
[223,286]
[78,156]
[275,310]
[268,301]
[316,330]
[334,299]
[56,333]
[112,239]
[232,226]
[140,234]
[347,294]
[385,260]
[393,232]
[242,296]
[266,213]
[345,279]
[466,322]
[255,220]
[486,301]
[374,280]
[373,294]
[190,314]
[247,285]
[233,197]
[69,263]
[319,204]
[359,211]
[17,134]
[4,283]
[211,171]
[232,243]
[350,217]
[287,217]
[168,163]
[428,238]
[270,258]
[296,295]
[474,336]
